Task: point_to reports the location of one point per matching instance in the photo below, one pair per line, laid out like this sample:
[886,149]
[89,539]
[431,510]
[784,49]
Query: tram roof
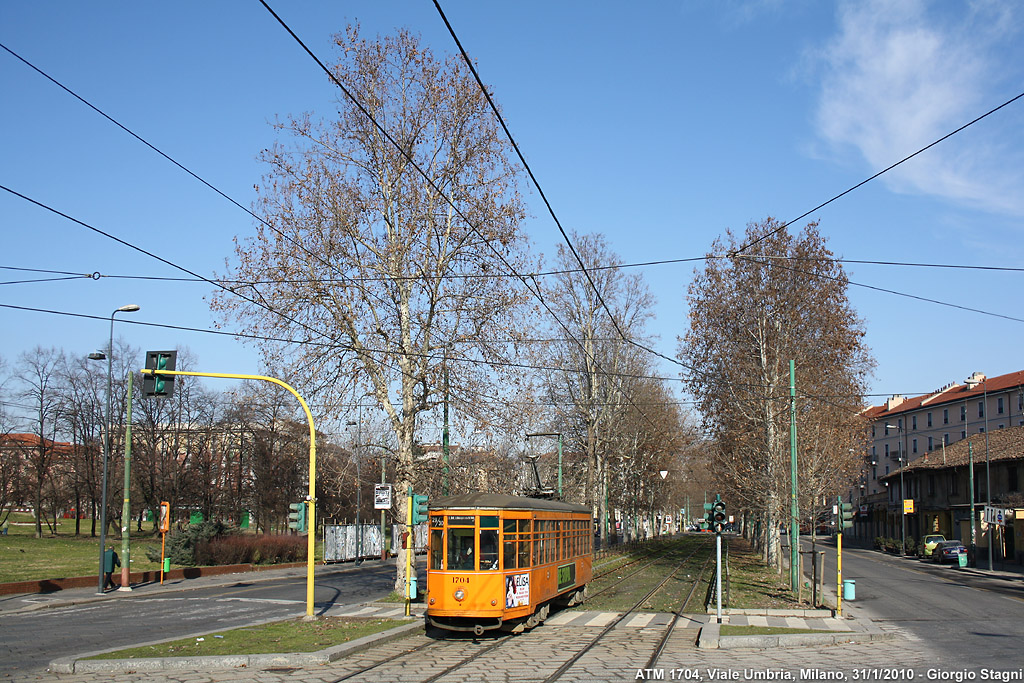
[474,501]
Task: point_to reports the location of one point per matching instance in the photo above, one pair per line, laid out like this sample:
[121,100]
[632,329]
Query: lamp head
[129,308]
[97,355]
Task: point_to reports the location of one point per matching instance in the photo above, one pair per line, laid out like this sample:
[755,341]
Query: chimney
[974,380]
[893,402]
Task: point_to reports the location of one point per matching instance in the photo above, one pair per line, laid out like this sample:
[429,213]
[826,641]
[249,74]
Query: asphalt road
[967,618]
[31,640]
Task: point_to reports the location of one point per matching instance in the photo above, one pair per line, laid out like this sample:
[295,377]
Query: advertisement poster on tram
[517,590]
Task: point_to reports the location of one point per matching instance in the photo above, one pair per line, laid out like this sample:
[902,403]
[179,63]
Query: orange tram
[501,562]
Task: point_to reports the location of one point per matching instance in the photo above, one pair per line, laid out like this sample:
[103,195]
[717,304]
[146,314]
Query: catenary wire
[412,162]
[765,236]
[544,198]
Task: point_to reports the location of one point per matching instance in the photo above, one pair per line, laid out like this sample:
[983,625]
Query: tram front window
[460,549]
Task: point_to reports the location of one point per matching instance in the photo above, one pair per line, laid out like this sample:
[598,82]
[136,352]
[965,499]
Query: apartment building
[904,429]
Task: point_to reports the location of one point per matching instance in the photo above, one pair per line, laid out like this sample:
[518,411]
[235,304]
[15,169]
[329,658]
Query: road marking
[641,620]
[269,601]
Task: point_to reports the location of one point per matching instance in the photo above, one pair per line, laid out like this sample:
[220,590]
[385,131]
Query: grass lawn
[293,635]
[23,557]
[729,630]
[753,585]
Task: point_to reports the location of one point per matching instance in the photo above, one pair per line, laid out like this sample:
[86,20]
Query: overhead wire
[544,198]
[782,227]
[538,294]
[823,276]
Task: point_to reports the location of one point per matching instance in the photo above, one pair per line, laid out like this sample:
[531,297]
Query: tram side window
[436,548]
[460,549]
[488,549]
[509,553]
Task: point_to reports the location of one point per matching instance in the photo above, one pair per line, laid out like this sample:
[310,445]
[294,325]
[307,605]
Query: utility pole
[794,510]
[444,433]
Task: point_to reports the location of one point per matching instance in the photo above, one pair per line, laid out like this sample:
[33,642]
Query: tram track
[568,664]
[464,660]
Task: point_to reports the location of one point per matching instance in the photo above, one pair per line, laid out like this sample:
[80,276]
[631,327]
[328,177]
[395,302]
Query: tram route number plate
[382,496]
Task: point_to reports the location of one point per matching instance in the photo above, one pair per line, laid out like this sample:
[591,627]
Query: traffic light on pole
[845,516]
[718,516]
[297,517]
[419,509]
[709,515]
[154,384]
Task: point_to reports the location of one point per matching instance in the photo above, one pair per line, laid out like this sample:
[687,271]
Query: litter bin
[849,589]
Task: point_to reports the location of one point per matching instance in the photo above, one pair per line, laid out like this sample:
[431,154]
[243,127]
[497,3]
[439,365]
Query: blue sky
[659,124]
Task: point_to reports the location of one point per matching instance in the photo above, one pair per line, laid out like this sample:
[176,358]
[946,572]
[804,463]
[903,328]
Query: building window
[887,469]
[963,435]
[913,422]
[873,456]
[1002,426]
[999,405]
[945,439]
[874,472]
[887,450]
[931,484]
[981,430]
[872,431]
[952,483]
[981,409]
[963,413]
[930,444]
[1011,478]
[899,424]
[945,416]
[886,429]
[929,419]
[914,446]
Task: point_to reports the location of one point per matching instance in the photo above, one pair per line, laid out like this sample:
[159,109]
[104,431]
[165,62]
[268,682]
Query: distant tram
[500,562]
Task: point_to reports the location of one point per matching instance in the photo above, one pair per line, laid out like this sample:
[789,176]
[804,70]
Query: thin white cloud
[897,76]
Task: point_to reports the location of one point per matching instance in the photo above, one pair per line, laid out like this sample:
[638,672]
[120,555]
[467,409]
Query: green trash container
[849,589]
[167,564]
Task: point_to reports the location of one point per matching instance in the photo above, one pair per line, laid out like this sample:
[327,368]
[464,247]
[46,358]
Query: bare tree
[11,469]
[364,264]
[750,314]
[38,377]
[597,365]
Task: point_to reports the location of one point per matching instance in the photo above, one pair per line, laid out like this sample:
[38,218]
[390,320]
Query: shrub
[239,549]
[181,545]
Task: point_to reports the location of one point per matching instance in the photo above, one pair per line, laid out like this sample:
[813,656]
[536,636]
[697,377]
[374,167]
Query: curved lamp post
[128,308]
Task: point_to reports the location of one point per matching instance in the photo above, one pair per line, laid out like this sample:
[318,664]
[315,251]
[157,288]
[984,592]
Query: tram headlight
[459,594]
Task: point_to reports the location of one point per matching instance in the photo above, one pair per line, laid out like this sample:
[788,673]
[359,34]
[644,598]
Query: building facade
[904,430]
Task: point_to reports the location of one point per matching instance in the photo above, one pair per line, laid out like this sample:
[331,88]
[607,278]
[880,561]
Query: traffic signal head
[419,509]
[297,517]
[718,518]
[154,384]
[845,515]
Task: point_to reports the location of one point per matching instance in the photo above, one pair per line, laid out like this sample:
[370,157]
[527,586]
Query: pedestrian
[3,528]
[110,562]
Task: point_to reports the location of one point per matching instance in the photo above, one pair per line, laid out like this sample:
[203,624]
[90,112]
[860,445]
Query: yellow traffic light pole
[311,521]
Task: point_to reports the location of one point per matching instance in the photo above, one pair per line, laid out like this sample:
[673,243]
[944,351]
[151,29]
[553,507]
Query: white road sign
[382,496]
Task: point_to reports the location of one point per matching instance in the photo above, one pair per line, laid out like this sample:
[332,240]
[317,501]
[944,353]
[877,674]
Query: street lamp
[128,308]
[903,494]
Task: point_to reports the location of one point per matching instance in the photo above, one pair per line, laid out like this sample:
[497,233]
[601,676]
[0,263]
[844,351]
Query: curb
[76,665]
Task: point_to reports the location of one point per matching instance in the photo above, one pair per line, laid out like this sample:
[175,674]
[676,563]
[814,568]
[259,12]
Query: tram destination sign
[382,496]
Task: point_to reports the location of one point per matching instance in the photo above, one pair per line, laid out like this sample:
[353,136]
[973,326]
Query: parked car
[928,544]
[949,551]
